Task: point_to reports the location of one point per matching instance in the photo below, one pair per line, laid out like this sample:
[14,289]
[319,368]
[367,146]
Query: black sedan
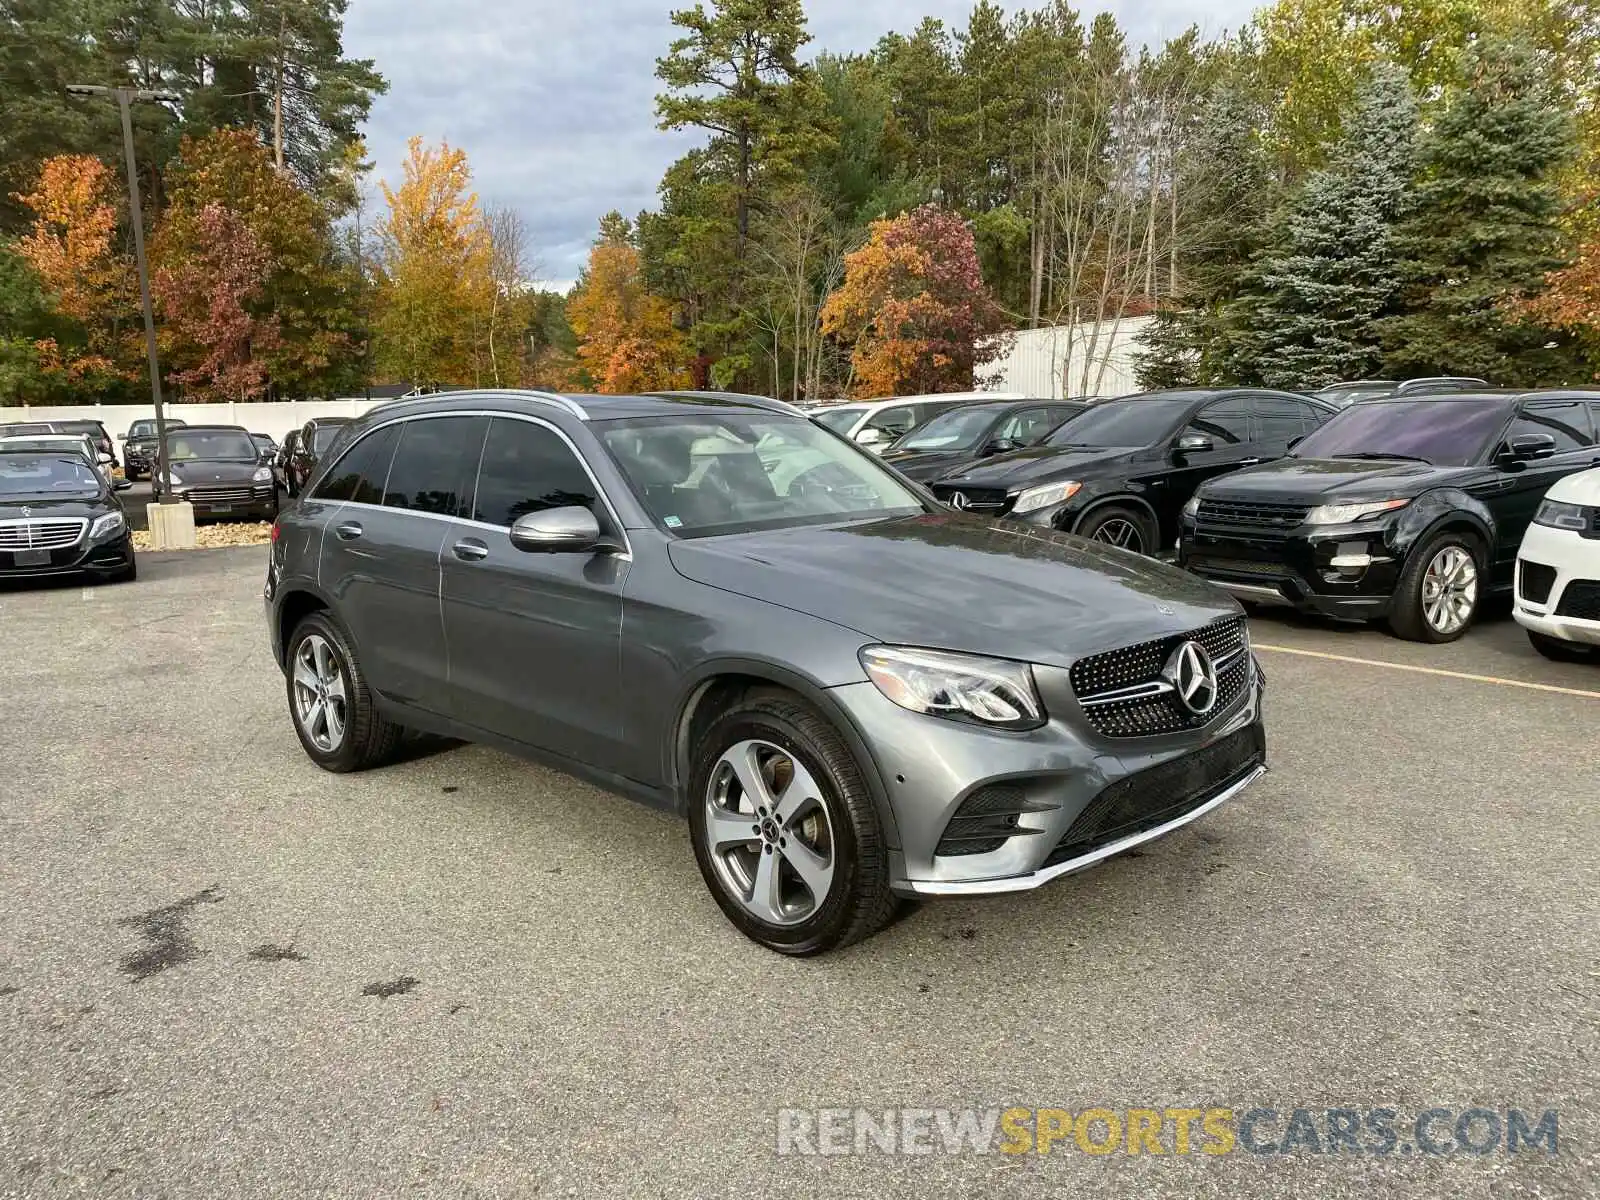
[218,469]
[961,436]
[1122,471]
[60,516]
[1409,509]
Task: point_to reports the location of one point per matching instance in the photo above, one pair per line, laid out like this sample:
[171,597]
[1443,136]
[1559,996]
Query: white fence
[1095,358]
[275,418]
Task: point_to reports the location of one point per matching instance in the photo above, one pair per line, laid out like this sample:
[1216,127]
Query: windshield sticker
[672,522]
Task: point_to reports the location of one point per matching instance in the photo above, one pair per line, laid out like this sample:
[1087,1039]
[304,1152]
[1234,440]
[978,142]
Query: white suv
[1558,571]
[875,423]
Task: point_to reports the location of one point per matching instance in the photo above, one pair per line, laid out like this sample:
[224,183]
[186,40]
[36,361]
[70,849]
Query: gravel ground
[224,972]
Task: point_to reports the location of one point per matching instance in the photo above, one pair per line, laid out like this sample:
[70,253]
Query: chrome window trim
[627,546]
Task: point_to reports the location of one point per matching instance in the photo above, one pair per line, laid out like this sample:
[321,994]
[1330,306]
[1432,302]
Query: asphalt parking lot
[224,972]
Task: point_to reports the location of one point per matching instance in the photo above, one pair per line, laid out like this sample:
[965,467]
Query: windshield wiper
[1374,456]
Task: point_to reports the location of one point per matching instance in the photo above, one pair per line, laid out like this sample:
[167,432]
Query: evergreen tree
[1483,234]
[1336,274]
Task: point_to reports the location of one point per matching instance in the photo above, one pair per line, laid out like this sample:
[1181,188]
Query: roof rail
[766,402]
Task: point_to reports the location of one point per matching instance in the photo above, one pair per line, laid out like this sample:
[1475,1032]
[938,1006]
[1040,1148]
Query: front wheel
[785,830]
[1121,527]
[1437,596]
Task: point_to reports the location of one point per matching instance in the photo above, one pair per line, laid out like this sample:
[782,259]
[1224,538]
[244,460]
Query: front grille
[1580,599]
[1098,680]
[1234,566]
[41,533]
[1162,793]
[986,819]
[977,500]
[1270,521]
[1534,581]
[223,495]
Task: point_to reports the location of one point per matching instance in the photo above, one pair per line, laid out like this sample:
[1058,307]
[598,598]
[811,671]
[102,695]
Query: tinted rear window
[361,472]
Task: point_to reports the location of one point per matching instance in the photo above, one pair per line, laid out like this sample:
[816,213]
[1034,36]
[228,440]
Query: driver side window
[894,421]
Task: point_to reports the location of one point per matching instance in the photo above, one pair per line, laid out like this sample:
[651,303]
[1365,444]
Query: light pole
[125,98]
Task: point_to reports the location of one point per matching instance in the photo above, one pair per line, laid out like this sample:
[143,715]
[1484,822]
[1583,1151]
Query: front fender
[1432,510]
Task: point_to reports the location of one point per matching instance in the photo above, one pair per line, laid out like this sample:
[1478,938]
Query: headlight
[962,687]
[1045,495]
[263,475]
[1343,514]
[173,481]
[1558,515]
[1193,507]
[106,525]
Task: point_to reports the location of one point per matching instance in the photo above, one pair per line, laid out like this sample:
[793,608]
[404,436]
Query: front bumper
[105,558]
[1344,571]
[253,502]
[1573,557]
[932,768]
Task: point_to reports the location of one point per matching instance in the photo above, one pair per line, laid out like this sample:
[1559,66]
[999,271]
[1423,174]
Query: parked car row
[94,429]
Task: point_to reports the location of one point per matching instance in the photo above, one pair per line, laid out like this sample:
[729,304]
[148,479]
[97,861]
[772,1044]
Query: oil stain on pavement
[165,930]
[267,952]
[393,987]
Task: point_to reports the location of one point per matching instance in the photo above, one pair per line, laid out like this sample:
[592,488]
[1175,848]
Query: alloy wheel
[320,704]
[1119,531]
[1450,590]
[770,837]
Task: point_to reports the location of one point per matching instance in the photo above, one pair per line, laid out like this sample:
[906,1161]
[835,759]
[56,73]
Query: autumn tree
[626,341]
[73,247]
[210,309]
[435,274]
[914,307]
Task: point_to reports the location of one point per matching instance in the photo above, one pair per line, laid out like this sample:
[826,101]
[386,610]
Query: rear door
[1521,488]
[534,638]
[380,560]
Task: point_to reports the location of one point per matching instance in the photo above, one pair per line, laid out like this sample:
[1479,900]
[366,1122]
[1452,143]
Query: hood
[1039,464]
[927,465]
[954,582]
[48,507]
[1319,480]
[1582,488]
[218,470]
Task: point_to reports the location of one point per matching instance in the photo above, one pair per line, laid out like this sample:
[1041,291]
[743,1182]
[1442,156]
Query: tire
[1409,610]
[778,736]
[1115,525]
[1558,651]
[364,737]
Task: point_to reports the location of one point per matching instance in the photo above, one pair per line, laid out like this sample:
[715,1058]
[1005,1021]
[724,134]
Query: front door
[1231,428]
[1521,486]
[534,637]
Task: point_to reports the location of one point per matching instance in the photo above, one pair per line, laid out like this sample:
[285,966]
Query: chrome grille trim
[42,533]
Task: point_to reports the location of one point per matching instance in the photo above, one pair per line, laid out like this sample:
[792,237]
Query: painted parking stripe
[1394,666]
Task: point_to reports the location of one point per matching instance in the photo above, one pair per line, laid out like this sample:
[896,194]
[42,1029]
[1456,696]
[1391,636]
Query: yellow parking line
[1394,666]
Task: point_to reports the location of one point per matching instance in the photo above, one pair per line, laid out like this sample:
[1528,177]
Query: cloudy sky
[553,100]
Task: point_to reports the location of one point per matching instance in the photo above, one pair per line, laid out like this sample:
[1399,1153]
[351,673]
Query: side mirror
[1528,446]
[1194,443]
[1002,446]
[873,437]
[104,459]
[121,485]
[556,531]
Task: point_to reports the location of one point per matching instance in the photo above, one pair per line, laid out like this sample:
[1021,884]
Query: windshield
[49,445]
[144,429]
[190,445]
[46,474]
[706,475]
[322,436]
[1448,432]
[839,419]
[957,429]
[1133,421]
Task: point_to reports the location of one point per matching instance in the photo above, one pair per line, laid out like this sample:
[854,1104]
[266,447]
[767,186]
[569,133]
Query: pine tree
[1483,234]
[1337,274]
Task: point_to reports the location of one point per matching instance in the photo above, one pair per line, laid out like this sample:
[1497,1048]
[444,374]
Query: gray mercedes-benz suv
[717,606]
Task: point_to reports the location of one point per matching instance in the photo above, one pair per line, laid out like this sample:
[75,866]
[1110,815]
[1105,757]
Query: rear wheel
[1438,593]
[784,828]
[334,716]
[1558,651]
[1124,528]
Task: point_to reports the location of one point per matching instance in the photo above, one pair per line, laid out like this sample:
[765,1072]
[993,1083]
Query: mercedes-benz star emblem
[958,499]
[26,511]
[1193,676]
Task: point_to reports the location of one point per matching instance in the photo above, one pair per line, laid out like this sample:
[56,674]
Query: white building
[1095,358]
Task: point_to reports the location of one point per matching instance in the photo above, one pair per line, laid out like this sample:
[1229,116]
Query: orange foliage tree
[72,247]
[914,307]
[626,339]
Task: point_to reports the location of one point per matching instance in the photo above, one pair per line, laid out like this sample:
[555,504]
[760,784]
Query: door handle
[1249,462]
[470,549]
[348,531]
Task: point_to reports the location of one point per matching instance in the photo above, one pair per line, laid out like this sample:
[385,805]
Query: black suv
[302,453]
[1122,471]
[218,469]
[961,436]
[1409,508]
[139,447]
